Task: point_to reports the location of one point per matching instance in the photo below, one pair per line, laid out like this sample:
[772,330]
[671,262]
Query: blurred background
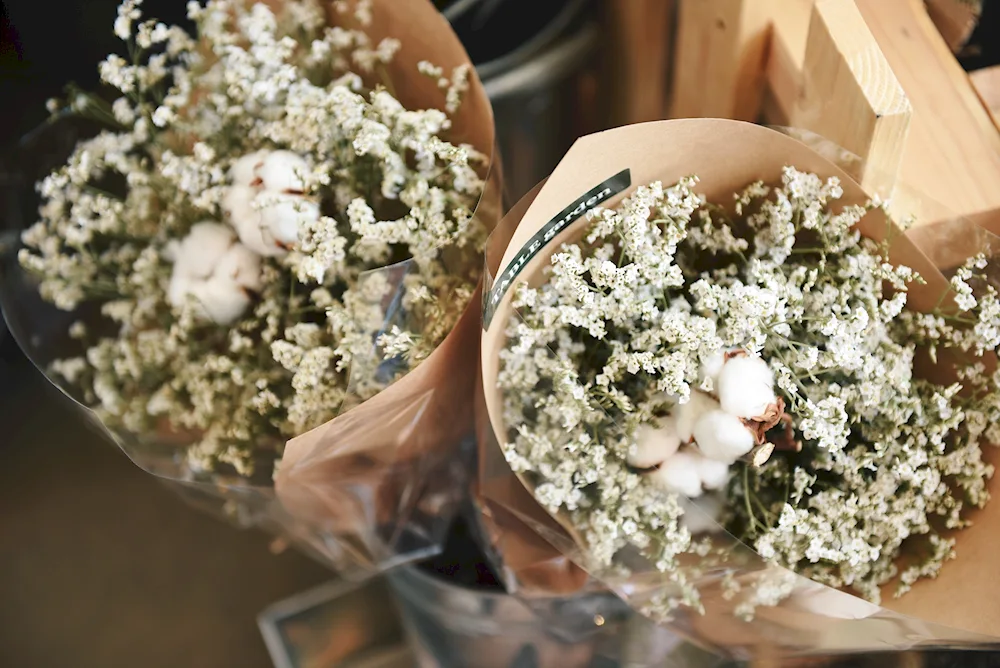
[102,566]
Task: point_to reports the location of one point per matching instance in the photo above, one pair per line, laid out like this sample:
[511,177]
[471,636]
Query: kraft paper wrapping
[359,478]
[960,608]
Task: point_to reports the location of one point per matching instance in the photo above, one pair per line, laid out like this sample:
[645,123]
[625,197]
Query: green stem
[746,499]
[383,74]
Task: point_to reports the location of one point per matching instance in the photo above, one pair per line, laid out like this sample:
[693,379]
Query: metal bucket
[542,106]
[544,91]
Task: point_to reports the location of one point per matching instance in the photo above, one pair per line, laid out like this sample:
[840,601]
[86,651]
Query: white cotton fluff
[282,172]
[689,413]
[655,444]
[284,218]
[714,474]
[264,204]
[690,473]
[746,386]
[221,292]
[197,254]
[238,206]
[241,266]
[722,436]
[268,229]
[679,474]
[220,301]
[244,170]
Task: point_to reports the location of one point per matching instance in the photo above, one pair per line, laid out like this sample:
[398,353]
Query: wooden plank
[951,159]
[642,33]
[987,84]
[951,162]
[789,30]
[720,57]
[850,96]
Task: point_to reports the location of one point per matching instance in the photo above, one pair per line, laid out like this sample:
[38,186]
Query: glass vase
[451,626]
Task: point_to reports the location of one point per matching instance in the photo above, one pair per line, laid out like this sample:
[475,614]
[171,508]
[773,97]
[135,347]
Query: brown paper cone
[726,156]
[391,453]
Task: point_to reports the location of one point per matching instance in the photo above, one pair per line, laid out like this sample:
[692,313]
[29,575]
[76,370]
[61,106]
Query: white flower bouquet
[733,391]
[277,237]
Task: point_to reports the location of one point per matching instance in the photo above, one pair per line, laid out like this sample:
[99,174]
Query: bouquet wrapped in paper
[720,381]
[261,276]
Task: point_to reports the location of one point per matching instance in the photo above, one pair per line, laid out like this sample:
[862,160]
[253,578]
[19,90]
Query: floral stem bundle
[280,220]
[728,383]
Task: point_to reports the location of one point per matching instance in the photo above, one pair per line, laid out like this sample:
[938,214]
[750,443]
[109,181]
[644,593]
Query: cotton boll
[216,299]
[238,205]
[172,250]
[688,414]
[654,444]
[282,220]
[200,250]
[282,171]
[714,474]
[214,272]
[248,221]
[244,171]
[722,436]
[179,288]
[679,474]
[746,386]
[255,236]
[241,266]
[220,300]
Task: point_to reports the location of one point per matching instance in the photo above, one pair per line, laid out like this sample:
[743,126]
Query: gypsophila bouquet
[228,220]
[752,361]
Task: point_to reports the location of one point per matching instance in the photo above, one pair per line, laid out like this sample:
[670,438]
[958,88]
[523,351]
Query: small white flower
[654,445]
[746,386]
[722,436]
[163,116]
[123,111]
[128,12]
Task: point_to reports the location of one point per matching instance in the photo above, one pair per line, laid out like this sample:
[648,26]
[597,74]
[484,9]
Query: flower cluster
[755,362]
[230,218]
